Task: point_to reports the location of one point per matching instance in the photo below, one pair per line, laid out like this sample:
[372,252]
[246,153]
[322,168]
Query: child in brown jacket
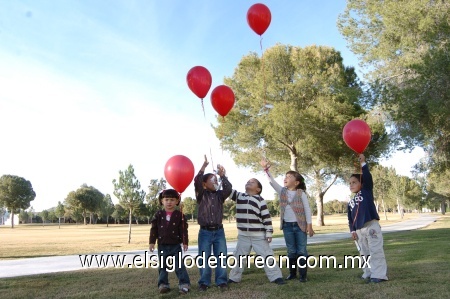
[170,228]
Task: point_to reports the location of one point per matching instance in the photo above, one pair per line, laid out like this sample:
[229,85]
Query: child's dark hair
[299,178]
[259,186]
[206,177]
[168,193]
[358,176]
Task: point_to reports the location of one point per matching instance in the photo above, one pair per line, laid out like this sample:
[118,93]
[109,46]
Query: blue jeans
[216,240]
[165,251]
[295,240]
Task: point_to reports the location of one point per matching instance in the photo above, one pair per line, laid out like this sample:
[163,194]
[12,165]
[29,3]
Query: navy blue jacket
[361,208]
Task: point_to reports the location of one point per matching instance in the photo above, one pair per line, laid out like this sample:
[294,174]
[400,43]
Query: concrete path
[135,259]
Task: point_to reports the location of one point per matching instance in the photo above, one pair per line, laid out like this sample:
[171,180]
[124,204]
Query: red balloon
[259,17]
[199,81]
[179,172]
[222,99]
[357,135]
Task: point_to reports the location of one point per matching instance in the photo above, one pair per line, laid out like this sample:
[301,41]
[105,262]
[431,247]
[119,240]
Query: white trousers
[261,248]
[370,240]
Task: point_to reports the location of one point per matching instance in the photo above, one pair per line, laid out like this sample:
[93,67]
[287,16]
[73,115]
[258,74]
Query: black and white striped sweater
[252,216]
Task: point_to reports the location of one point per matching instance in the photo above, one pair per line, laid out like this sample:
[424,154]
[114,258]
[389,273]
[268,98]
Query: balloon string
[209,138]
[264,89]
[360,178]
[203,108]
[182,221]
[210,153]
[264,75]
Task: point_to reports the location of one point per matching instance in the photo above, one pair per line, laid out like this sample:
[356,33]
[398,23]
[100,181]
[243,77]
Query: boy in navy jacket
[363,223]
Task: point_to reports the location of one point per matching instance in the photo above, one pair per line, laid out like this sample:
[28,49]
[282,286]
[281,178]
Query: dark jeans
[295,240]
[216,240]
[165,251]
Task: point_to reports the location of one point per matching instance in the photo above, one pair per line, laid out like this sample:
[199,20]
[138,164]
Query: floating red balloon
[179,172]
[222,99]
[199,81]
[259,17]
[357,135]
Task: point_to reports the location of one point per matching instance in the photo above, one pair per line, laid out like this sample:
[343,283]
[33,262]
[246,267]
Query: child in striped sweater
[254,231]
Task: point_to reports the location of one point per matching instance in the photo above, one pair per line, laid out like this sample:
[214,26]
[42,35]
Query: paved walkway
[42,265]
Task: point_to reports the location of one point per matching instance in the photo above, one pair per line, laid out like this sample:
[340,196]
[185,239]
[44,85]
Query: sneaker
[303,279]
[184,291]
[164,290]
[376,280]
[279,281]
[231,281]
[202,287]
[223,286]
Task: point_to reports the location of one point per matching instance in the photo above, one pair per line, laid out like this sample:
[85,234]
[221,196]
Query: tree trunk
[84,217]
[129,228]
[320,214]
[443,207]
[384,209]
[12,218]
[107,220]
[59,222]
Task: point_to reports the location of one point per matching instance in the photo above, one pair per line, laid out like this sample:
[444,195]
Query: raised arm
[198,181]
[366,175]
[266,165]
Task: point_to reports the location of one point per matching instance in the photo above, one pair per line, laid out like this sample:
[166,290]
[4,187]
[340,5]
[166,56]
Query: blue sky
[89,87]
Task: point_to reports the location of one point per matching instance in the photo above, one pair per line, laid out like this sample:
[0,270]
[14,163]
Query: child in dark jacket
[363,223]
[211,236]
[170,228]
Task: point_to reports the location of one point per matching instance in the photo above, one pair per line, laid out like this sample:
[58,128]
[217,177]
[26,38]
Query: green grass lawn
[418,267]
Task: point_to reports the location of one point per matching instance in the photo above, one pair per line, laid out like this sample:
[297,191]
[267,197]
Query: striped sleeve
[265,217]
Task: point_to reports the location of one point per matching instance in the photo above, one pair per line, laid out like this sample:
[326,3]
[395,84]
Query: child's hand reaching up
[220,170]
[205,163]
[265,163]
